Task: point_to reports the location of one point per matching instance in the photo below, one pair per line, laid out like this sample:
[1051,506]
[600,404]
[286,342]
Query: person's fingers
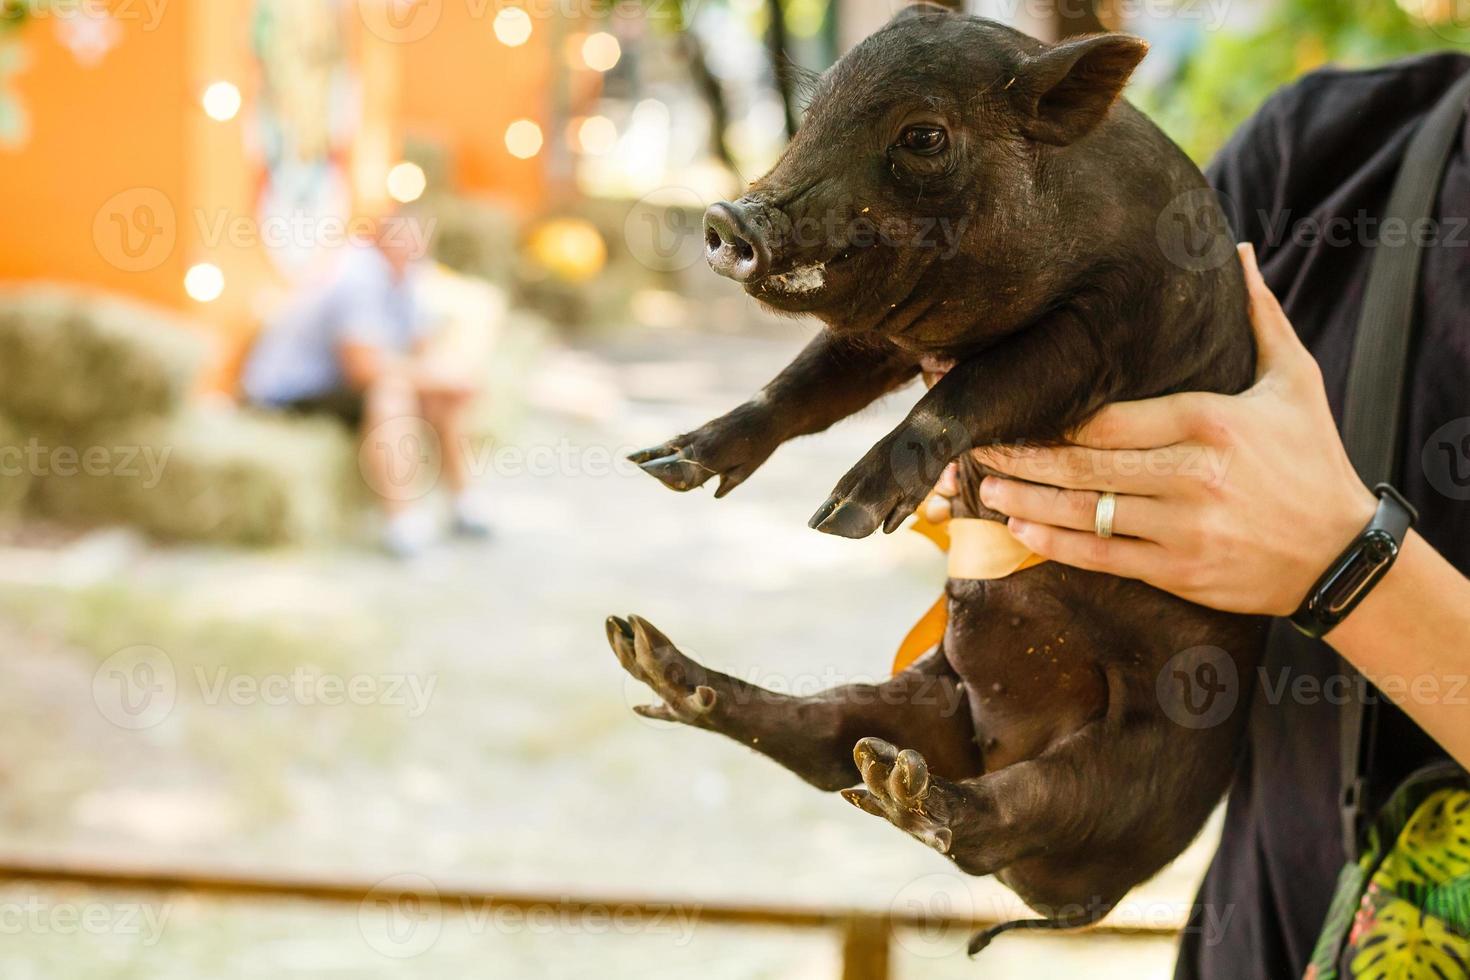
[949,481]
[937,509]
[1276,341]
[1074,509]
[1127,557]
[1131,471]
[1146,424]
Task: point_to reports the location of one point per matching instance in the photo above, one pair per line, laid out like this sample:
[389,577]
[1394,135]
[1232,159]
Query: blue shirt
[298,355]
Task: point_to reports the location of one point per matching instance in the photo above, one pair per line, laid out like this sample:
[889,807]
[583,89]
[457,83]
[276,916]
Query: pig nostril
[732,251]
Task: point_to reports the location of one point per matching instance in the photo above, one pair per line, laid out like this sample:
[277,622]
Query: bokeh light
[571,249]
[513,27]
[601,51]
[523,139]
[205,282]
[596,135]
[407,182]
[222,101]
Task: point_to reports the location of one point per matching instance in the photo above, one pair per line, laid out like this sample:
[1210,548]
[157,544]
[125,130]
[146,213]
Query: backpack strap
[1374,408]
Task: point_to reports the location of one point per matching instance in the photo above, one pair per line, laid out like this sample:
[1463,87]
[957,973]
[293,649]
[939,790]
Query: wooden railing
[867,936]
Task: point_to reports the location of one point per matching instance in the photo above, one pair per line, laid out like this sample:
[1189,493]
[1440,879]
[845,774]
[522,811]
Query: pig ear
[1069,88]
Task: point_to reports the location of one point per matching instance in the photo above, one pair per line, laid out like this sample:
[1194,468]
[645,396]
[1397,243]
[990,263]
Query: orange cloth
[977,550]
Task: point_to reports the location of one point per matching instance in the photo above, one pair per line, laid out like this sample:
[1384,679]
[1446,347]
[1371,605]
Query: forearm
[1411,637]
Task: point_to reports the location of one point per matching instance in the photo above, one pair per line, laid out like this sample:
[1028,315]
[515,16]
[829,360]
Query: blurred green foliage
[1231,72]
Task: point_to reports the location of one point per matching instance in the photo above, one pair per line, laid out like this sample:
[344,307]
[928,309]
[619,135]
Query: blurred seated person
[353,347]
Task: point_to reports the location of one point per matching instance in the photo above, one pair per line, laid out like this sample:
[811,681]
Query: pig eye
[923,140]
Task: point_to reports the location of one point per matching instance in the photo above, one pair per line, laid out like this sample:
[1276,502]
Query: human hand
[1235,502]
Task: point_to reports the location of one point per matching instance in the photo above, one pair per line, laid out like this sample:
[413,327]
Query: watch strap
[1337,593]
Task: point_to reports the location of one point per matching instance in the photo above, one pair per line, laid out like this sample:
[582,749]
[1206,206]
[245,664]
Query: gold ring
[1102,520]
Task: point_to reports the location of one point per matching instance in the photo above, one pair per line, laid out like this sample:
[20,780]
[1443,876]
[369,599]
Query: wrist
[1372,613]
[1359,567]
[1351,516]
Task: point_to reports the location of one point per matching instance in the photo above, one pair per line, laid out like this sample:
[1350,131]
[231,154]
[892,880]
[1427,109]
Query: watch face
[1379,546]
[1357,571]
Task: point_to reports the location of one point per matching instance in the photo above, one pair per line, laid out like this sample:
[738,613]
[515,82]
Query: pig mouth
[804,281]
[800,281]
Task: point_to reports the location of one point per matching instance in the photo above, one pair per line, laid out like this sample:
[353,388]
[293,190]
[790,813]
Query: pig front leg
[831,379]
[1032,386]
[811,736]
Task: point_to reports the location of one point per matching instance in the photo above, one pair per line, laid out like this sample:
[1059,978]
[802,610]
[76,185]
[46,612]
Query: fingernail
[1018,526]
[987,488]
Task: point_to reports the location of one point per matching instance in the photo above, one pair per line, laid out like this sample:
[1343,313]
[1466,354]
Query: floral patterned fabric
[1403,911]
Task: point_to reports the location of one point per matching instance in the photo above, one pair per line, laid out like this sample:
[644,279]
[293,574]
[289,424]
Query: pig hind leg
[812,736]
[1071,830]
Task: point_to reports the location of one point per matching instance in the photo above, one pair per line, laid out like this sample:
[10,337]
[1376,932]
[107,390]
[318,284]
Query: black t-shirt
[1307,179]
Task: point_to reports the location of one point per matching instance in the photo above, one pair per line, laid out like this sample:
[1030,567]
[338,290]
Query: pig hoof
[650,657]
[731,447]
[897,787]
[845,518]
[677,471]
[870,496]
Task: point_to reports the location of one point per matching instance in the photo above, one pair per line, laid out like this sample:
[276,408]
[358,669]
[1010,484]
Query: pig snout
[734,244]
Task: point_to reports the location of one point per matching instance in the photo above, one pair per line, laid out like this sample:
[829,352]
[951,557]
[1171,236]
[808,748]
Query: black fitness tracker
[1352,575]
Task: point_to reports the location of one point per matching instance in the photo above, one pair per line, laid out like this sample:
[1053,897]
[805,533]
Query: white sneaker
[471,515]
[408,533]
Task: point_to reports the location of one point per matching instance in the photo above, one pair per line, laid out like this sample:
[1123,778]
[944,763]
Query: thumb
[1277,344]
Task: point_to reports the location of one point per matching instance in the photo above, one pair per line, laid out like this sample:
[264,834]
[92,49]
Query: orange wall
[97,133]
[124,147]
[125,182]
[462,88]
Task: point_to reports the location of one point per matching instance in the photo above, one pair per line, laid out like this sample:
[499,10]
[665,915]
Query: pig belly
[1031,674]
